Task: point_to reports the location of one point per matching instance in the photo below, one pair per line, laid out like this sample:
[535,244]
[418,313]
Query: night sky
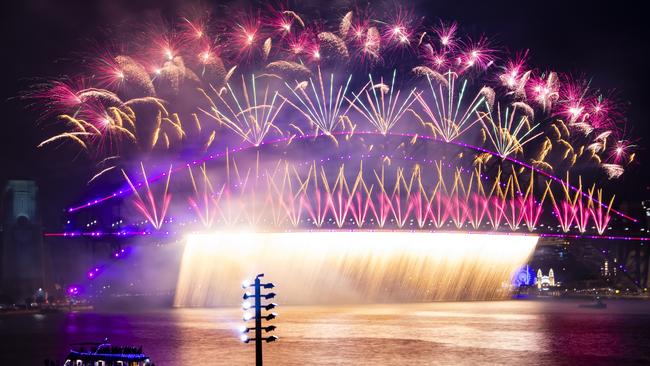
[40,38]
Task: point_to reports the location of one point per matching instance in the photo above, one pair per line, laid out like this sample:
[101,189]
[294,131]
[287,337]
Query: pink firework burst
[515,76]
[246,36]
[475,55]
[544,90]
[400,31]
[446,34]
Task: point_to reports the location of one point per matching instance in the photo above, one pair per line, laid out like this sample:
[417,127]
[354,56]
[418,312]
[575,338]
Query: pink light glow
[543,235]
[234,151]
[306,200]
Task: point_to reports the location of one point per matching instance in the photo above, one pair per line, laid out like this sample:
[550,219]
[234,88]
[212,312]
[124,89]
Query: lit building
[544,283]
[604,269]
[608,270]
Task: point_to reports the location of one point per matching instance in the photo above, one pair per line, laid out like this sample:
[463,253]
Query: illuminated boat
[106,354]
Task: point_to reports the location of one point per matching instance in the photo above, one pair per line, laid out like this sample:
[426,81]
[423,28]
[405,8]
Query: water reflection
[505,332]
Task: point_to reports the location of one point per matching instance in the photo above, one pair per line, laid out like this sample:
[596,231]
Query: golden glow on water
[350,267]
[549,333]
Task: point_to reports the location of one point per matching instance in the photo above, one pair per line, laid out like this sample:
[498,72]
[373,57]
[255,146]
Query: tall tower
[551,277]
[538,280]
[22,261]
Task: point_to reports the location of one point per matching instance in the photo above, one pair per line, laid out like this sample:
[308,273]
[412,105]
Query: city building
[22,249]
[545,283]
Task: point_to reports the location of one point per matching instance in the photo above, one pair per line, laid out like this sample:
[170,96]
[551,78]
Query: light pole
[258,306]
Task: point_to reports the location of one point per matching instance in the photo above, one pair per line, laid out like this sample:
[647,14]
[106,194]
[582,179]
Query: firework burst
[382,106]
[444,106]
[508,133]
[320,101]
[246,112]
[192,88]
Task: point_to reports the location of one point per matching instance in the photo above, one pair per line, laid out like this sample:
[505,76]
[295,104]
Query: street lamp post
[257,317]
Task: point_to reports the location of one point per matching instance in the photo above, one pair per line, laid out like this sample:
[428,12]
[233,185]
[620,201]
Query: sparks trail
[203,85]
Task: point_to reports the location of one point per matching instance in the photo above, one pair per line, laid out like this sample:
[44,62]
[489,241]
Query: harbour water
[463,333]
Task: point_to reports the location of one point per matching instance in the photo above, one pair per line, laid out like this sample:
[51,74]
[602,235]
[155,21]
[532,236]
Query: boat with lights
[106,354]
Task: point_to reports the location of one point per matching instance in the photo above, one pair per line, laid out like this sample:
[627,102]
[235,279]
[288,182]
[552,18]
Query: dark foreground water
[477,333]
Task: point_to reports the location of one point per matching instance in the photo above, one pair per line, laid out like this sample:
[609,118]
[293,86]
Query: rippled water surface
[471,333]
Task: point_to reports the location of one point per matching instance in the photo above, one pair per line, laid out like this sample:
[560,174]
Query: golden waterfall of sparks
[352,267]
